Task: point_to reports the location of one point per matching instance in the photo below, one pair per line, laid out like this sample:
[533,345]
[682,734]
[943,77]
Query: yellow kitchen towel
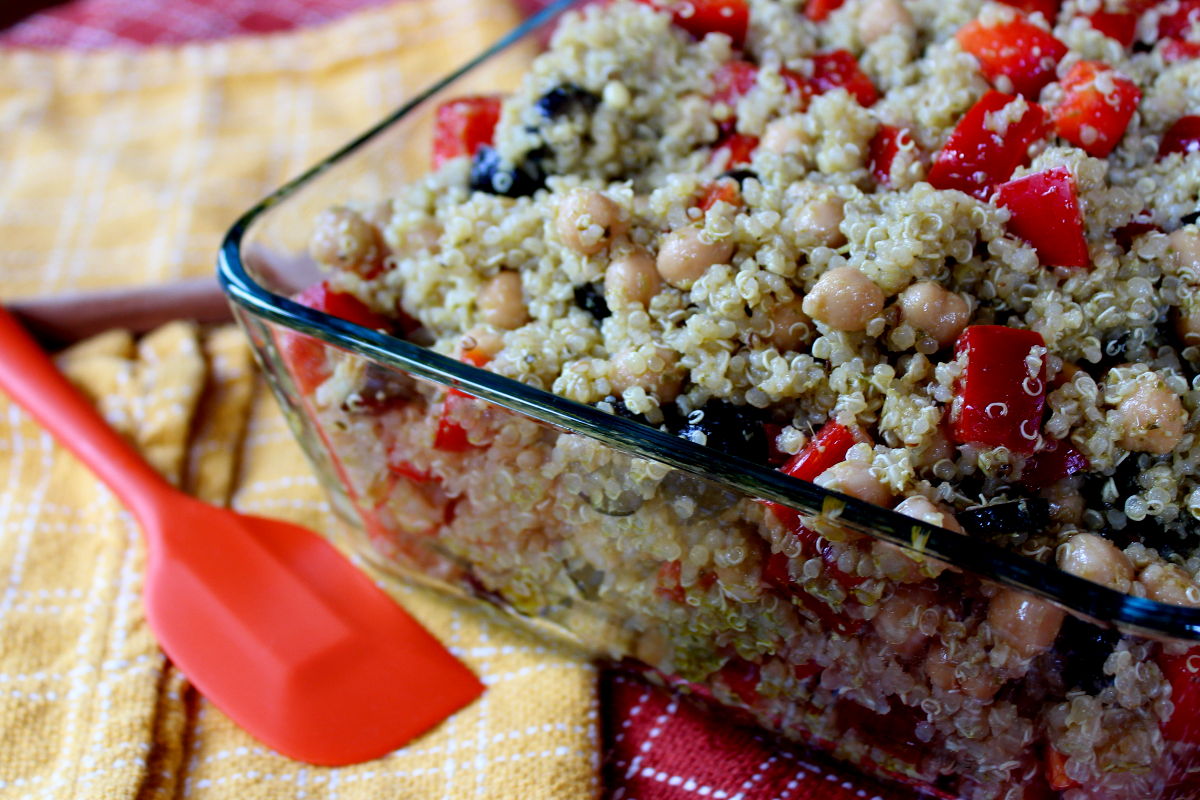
[126,168]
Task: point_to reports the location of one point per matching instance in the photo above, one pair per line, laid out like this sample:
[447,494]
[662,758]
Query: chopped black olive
[738,430]
[1190,219]
[490,174]
[1084,648]
[1027,515]
[740,175]
[381,389]
[590,298]
[565,98]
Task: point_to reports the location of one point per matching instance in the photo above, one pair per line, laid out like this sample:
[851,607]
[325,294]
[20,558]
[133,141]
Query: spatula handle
[30,378]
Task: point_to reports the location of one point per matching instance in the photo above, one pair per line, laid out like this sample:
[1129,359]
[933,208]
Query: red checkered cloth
[657,747]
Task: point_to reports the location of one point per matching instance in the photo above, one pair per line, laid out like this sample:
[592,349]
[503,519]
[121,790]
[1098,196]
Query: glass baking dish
[654,550]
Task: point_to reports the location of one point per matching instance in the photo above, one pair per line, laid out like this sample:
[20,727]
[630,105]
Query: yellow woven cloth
[125,168]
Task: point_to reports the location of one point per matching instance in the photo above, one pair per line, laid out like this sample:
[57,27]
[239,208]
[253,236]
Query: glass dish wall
[961,668]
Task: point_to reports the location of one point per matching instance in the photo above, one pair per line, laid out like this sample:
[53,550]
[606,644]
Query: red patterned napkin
[656,747]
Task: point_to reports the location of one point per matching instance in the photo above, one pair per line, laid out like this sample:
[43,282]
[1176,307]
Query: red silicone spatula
[269,621]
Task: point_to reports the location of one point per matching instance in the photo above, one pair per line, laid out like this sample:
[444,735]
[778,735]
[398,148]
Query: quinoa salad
[939,256]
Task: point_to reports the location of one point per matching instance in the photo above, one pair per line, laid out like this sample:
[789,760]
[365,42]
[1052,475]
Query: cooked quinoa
[766,248]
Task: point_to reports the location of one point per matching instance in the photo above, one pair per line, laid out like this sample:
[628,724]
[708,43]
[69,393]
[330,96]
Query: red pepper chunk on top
[1017,53]
[1048,8]
[826,449]
[840,69]
[702,17]
[464,125]
[1000,395]
[1182,137]
[306,356]
[1097,105]
[1046,214]
[886,145]
[819,10]
[988,144]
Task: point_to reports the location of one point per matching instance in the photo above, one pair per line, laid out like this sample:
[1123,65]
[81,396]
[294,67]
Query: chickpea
[1151,419]
[790,326]
[482,341]
[500,301]
[880,17]
[379,214]
[632,278]
[936,311]
[898,617]
[1183,247]
[655,369]
[980,683]
[687,253]
[818,223]
[344,241]
[921,508]
[937,448]
[587,221]
[1026,624]
[785,136]
[844,299]
[1066,503]
[1096,559]
[895,562]
[855,479]
[1169,584]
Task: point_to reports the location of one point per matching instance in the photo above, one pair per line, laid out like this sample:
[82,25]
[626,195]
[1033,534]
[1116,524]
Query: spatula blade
[299,647]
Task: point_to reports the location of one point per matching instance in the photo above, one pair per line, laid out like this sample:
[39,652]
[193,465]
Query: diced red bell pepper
[1176,50]
[304,355]
[742,677]
[1048,8]
[702,17]
[1058,460]
[775,573]
[775,456]
[733,80]
[407,469]
[735,150]
[1016,51]
[998,399]
[1125,234]
[464,125]
[840,69]
[826,449]
[1182,137]
[885,146]
[450,436]
[1097,105]
[805,671]
[1181,23]
[722,190]
[819,10]
[1056,772]
[668,584]
[894,732]
[1046,214]
[1183,673]
[976,157]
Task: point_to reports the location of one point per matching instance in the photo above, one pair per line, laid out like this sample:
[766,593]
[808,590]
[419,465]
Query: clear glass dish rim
[984,559]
